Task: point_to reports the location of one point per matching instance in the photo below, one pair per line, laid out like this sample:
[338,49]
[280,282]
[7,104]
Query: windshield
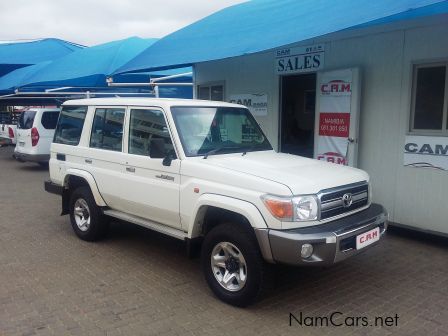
[26,119]
[213,130]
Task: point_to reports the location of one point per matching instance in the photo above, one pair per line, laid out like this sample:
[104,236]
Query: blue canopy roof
[260,25]
[88,67]
[16,78]
[20,54]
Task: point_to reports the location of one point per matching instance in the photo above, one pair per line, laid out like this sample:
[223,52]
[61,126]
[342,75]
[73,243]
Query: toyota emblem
[347,200]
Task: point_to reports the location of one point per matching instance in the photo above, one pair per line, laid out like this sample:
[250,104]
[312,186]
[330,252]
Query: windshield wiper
[213,151]
[217,149]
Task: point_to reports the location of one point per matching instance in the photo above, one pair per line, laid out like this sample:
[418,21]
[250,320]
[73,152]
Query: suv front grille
[333,205]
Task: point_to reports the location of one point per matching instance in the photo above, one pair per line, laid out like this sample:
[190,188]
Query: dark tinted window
[69,127]
[145,126]
[107,129]
[5,118]
[429,97]
[49,120]
[26,120]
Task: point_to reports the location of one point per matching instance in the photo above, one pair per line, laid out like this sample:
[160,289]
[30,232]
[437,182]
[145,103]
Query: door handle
[88,160]
[130,169]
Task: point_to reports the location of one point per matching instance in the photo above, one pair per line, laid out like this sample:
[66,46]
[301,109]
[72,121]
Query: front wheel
[232,264]
[86,218]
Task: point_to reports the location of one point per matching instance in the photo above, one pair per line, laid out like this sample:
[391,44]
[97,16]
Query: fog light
[307,251]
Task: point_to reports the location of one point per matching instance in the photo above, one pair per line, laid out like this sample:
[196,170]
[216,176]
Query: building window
[211,92]
[429,101]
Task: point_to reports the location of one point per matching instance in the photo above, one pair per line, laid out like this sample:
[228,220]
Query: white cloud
[98,21]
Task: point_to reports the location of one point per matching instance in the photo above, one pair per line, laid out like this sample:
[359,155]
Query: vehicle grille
[331,199]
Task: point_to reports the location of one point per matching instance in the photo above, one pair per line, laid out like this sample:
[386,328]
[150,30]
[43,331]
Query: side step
[179,234]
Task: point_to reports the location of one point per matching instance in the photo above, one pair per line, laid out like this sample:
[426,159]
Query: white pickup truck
[205,173]
[8,128]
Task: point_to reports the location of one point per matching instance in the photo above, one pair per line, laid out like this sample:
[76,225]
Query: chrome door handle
[88,160]
[130,169]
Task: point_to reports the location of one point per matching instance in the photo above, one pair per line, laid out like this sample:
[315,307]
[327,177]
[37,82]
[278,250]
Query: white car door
[152,188]
[105,155]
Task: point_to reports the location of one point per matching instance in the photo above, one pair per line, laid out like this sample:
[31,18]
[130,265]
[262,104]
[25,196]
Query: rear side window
[69,127]
[49,119]
[26,120]
[107,129]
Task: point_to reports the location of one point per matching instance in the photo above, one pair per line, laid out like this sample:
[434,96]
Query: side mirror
[157,148]
[169,158]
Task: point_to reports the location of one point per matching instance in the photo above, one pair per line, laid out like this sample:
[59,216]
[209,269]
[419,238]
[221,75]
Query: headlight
[288,209]
[305,208]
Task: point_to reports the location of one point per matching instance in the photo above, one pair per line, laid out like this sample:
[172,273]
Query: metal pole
[170,77]
[148,84]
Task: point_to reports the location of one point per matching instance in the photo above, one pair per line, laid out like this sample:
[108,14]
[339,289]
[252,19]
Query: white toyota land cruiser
[204,172]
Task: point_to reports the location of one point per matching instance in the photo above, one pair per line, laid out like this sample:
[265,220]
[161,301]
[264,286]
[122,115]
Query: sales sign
[299,60]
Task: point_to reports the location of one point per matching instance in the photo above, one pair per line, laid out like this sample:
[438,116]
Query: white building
[399,91]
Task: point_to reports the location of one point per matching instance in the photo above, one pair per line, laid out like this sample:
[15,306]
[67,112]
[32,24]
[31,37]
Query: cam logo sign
[426,152]
[300,59]
[256,103]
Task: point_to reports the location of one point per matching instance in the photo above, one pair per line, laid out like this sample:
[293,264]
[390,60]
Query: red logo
[333,157]
[368,236]
[336,87]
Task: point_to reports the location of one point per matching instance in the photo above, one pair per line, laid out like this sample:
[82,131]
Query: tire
[85,216]
[241,242]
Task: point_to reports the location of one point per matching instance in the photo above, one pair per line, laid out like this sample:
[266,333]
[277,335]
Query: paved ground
[137,282]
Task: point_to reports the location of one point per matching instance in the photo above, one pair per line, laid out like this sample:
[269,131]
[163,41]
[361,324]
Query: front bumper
[53,188]
[332,242]
[23,157]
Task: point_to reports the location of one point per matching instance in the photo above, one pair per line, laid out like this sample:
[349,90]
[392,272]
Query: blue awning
[88,67]
[261,25]
[20,54]
[87,70]
[17,78]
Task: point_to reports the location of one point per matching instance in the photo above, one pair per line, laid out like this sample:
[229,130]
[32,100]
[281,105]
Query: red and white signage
[335,90]
[334,124]
[367,238]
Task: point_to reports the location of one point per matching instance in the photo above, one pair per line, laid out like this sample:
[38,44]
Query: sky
[98,21]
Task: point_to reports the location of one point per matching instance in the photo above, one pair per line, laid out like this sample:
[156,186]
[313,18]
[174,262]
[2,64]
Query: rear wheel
[86,218]
[232,264]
